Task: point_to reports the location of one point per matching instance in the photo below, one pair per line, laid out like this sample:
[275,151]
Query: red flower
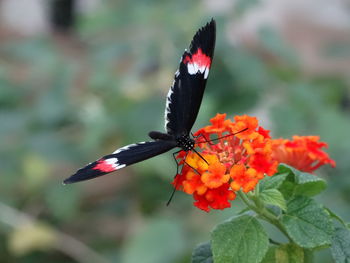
[235,162]
[216,199]
[303,152]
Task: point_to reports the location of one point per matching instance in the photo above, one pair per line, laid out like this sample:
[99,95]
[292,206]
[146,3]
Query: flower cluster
[235,155]
[236,162]
[303,152]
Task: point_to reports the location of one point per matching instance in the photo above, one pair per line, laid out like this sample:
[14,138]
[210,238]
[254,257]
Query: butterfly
[182,106]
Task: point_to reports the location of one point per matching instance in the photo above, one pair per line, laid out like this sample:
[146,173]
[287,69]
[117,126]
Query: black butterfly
[181,110]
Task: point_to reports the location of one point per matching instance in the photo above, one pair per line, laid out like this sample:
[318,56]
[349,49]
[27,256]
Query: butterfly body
[185,142]
[182,106]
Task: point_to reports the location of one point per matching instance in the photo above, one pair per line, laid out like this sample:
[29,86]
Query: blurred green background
[75,84]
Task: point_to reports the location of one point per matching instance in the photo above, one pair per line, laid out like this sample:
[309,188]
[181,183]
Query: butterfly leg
[177,164]
[177,172]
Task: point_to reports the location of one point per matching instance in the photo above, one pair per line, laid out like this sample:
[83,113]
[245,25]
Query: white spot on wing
[127,147]
[120,166]
[202,69]
[168,102]
[114,162]
[206,73]
[111,161]
[193,68]
[124,148]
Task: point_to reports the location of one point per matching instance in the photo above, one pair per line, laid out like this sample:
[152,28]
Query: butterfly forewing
[182,106]
[122,157]
[185,95]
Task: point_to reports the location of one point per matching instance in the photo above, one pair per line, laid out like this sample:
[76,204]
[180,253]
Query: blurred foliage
[67,99]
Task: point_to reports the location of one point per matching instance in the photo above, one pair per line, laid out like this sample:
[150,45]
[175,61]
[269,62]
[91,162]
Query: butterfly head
[185,142]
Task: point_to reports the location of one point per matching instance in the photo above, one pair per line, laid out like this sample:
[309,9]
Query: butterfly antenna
[225,136]
[200,155]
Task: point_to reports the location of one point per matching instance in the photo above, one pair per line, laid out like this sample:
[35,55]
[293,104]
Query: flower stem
[260,209]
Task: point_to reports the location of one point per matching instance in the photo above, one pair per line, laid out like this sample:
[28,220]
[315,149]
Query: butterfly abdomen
[156,135]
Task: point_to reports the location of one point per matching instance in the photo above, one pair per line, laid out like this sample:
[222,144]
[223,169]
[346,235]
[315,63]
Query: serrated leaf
[234,241]
[287,187]
[335,216]
[307,223]
[341,245]
[202,253]
[272,182]
[286,169]
[273,197]
[309,184]
[299,183]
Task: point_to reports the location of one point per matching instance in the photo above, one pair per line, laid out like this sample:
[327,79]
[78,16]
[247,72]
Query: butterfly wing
[186,93]
[121,158]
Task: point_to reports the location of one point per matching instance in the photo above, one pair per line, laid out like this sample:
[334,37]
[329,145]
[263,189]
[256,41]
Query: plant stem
[258,208]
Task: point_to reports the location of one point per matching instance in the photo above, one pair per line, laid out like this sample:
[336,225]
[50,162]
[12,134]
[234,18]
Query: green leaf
[335,216]
[273,197]
[287,188]
[341,245]
[299,183]
[202,253]
[309,184]
[287,169]
[270,256]
[243,211]
[307,223]
[287,253]
[242,239]
[272,182]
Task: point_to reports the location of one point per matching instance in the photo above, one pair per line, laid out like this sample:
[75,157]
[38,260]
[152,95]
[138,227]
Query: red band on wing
[199,58]
[104,166]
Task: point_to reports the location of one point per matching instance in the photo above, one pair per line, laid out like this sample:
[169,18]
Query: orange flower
[243,178]
[216,175]
[234,162]
[303,152]
[237,155]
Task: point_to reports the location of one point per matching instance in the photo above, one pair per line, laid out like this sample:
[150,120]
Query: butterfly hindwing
[121,158]
[185,95]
